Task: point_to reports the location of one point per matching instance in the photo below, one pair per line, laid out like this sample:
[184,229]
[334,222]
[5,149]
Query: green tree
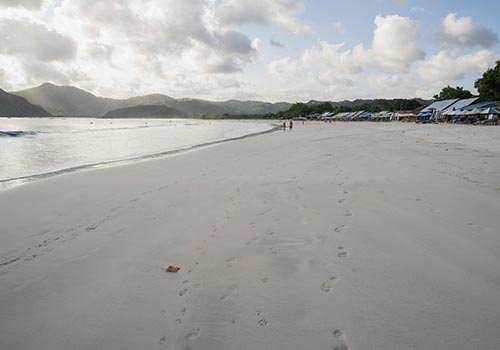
[449,93]
[489,85]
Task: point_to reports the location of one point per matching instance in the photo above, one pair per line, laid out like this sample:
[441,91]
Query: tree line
[488,87]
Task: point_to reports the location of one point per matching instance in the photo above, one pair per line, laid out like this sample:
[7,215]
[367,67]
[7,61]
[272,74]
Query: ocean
[35,148]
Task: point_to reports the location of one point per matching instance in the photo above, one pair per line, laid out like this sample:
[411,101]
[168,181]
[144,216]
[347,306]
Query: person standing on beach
[284,126]
[291,124]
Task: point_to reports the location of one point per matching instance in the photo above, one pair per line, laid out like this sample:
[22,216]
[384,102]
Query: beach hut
[492,113]
[434,110]
[424,117]
[449,112]
[363,116]
[405,116]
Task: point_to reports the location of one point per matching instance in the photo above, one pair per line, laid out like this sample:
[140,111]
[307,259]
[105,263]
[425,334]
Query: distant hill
[148,111]
[16,106]
[68,100]
[71,101]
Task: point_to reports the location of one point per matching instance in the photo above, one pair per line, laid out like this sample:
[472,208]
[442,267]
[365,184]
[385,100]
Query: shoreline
[19,181]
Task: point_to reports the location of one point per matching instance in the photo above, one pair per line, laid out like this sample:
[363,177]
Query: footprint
[267,211]
[339,338]
[342,253]
[162,188]
[163,340]
[327,286]
[272,251]
[251,241]
[264,280]
[340,228]
[229,262]
[231,289]
[348,213]
[91,227]
[182,292]
[341,201]
[263,322]
[192,335]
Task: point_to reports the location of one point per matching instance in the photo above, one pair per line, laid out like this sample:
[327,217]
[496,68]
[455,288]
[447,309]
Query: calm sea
[48,146]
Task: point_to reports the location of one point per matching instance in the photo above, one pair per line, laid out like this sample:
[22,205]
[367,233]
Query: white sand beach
[333,236]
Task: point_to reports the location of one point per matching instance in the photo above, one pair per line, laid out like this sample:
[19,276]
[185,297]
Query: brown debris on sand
[172,269]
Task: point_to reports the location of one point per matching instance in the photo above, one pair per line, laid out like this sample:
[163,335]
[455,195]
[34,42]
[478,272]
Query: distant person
[291,124]
[284,126]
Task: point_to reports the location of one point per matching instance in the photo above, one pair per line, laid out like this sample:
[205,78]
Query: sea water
[46,146]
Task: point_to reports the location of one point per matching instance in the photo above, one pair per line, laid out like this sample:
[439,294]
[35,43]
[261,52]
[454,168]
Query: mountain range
[49,100]
[16,106]
[71,101]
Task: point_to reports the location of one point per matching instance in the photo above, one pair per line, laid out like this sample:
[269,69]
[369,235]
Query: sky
[268,50]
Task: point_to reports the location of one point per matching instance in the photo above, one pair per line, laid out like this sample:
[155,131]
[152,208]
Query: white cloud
[285,69]
[323,70]
[202,48]
[444,67]
[395,48]
[335,59]
[124,47]
[395,42]
[339,27]
[324,63]
[3,81]
[463,31]
[381,71]
[37,71]
[26,39]
[30,4]
[283,12]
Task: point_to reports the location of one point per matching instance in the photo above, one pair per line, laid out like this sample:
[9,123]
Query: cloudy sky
[272,50]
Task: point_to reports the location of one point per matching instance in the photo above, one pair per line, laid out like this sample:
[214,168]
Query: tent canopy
[490,110]
[473,112]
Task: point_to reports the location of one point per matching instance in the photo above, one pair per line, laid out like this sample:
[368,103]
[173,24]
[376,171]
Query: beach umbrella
[489,111]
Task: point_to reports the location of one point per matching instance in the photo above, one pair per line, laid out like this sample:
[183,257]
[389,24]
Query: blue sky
[272,50]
